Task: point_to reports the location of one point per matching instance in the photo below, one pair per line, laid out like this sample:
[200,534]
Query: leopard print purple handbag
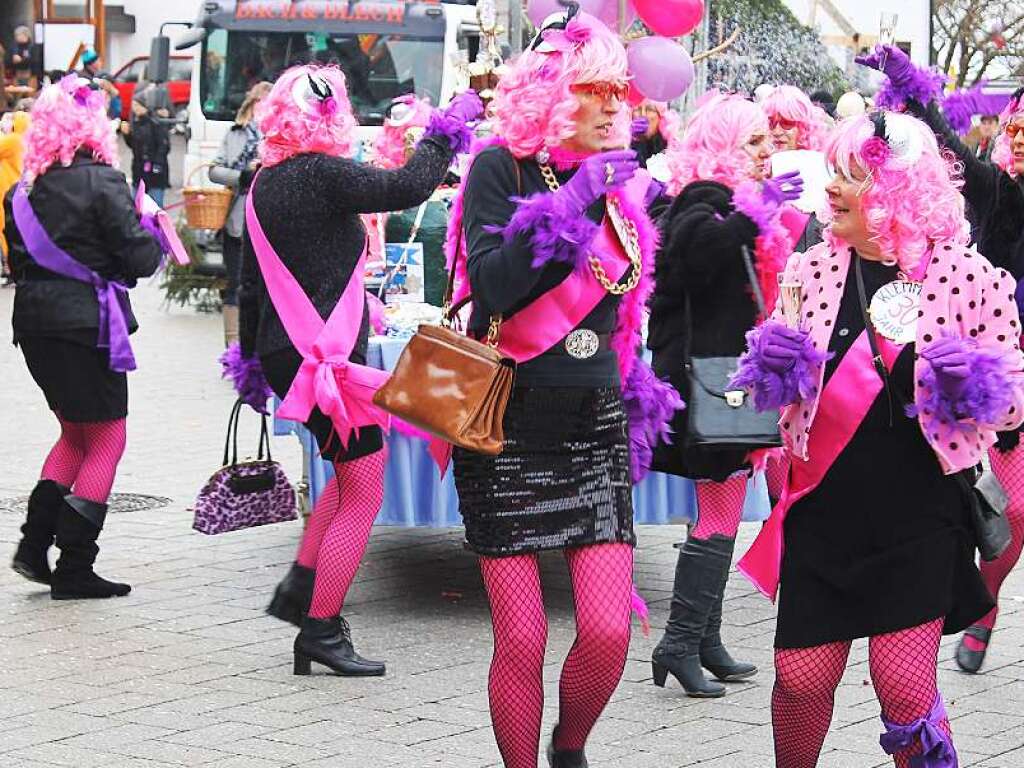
[246,494]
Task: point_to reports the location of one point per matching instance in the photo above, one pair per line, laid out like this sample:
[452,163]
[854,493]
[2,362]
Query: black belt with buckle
[582,343]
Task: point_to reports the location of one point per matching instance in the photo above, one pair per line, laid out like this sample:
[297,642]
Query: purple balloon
[606,10]
[661,68]
[538,10]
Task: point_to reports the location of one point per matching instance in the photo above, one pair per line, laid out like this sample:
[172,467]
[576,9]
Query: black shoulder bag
[985,496]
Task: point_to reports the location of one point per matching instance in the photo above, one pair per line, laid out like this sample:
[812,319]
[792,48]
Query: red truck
[132,74]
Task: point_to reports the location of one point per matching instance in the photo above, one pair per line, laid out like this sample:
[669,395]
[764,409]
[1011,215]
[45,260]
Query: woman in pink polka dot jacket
[872,536]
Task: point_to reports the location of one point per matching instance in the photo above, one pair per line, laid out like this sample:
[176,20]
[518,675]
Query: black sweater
[87,209]
[995,198]
[309,208]
[150,142]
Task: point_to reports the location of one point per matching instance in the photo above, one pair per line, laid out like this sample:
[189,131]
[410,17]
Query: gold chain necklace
[625,228]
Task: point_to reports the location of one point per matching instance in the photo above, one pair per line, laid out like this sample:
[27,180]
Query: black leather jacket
[88,210]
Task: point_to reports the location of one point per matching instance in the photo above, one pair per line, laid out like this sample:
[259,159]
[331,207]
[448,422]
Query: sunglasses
[1013,129]
[781,122]
[604,91]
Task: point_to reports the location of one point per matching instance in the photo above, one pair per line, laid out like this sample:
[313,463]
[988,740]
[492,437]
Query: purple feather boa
[557,231]
[747,199]
[985,400]
[651,404]
[775,390]
[246,375]
[458,134]
[923,86]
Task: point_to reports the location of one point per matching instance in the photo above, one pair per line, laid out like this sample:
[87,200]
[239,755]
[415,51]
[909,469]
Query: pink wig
[908,203]
[790,103]
[1002,152]
[669,120]
[389,148]
[712,148]
[67,118]
[294,120]
[533,106]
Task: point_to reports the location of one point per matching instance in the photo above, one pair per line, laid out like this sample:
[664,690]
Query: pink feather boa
[773,245]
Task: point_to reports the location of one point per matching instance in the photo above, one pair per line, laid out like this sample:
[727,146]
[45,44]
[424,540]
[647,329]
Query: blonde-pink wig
[790,103]
[712,146]
[534,107]
[294,122]
[908,204]
[1002,152]
[68,117]
[390,145]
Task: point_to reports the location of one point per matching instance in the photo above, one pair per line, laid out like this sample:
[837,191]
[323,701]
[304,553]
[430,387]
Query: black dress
[883,543]
[563,478]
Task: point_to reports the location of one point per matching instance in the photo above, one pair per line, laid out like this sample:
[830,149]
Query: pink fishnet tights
[775,473]
[360,494]
[1009,468]
[719,507]
[85,457]
[319,521]
[601,583]
[903,669]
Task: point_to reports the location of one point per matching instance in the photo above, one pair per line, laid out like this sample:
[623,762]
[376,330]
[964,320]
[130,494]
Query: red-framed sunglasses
[603,90]
[781,122]
[1012,129]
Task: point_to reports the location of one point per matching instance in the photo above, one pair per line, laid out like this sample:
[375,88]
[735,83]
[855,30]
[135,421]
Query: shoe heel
[303,664]
[660,674]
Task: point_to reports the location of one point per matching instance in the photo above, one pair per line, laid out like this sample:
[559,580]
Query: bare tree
[982,39]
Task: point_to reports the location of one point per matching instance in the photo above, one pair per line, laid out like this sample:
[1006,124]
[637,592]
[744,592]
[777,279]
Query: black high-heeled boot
[293,595]
[38,531]
[693,595]
[565,758]
[970,661]
[78,526]
[714,656]
[329,642]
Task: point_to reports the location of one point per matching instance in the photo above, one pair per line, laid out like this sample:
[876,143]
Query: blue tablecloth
[414,495]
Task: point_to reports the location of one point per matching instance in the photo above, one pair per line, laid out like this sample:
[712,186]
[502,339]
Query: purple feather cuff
[651,404]
[556,229]
[773,390]
[246,375]
[923,86]
[747,199]
[985,400]
[455,131]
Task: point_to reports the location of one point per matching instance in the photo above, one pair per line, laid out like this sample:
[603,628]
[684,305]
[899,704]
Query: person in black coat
[25,59]
[149,138]
[703,305]
[994,192]
[67,315]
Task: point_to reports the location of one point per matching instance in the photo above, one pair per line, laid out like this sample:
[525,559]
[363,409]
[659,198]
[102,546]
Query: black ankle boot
[38,531]
[293,595]
[714,656]
[329,642]
[565,758]
[78,526]
[693,596]
[970,661]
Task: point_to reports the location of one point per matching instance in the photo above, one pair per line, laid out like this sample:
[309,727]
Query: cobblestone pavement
[188,670]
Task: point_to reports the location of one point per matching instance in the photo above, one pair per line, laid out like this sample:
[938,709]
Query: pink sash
[341,389]
[844,403]
[795,222]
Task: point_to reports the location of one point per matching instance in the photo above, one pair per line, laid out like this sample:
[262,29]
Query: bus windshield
[378,67]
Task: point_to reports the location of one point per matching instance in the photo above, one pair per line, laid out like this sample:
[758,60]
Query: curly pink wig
[790,103]
[67,118]
[907,206]
[294,124]
[389,148]
[1002,152]
[712,147]
[533,106]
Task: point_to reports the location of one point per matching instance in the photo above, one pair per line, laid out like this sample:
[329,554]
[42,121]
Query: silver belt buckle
[582,343]
[734,398]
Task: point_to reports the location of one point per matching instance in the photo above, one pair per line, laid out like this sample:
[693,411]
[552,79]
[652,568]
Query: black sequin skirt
[562,481]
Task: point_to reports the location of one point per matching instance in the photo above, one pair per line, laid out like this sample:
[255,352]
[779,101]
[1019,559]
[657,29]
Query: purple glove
[782,189]
[781,346]
[891,62]
[951,360]
[639,127]
[465,107]
[598,175]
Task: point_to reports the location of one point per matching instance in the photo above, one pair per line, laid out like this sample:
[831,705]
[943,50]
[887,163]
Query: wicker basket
[206,207]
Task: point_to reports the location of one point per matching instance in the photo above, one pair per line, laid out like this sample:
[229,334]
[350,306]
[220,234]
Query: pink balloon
[661,68]
[671,18]
[538,10]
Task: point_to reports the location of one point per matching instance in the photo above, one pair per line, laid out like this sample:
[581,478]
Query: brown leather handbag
[450,385]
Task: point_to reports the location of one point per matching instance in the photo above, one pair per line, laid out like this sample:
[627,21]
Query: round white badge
[894,309]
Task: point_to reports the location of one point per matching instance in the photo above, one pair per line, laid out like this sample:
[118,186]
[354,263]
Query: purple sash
[111,295]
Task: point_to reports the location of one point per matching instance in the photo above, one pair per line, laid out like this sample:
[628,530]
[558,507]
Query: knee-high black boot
[293,595]
[713,654]
[78,526]
[698,573]
[38,531]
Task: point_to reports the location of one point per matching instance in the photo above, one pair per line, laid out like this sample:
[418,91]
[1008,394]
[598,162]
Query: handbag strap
[264,439]
[231,441]
[876,354]
[232,429]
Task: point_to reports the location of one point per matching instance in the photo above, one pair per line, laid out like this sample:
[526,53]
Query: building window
[66,10]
